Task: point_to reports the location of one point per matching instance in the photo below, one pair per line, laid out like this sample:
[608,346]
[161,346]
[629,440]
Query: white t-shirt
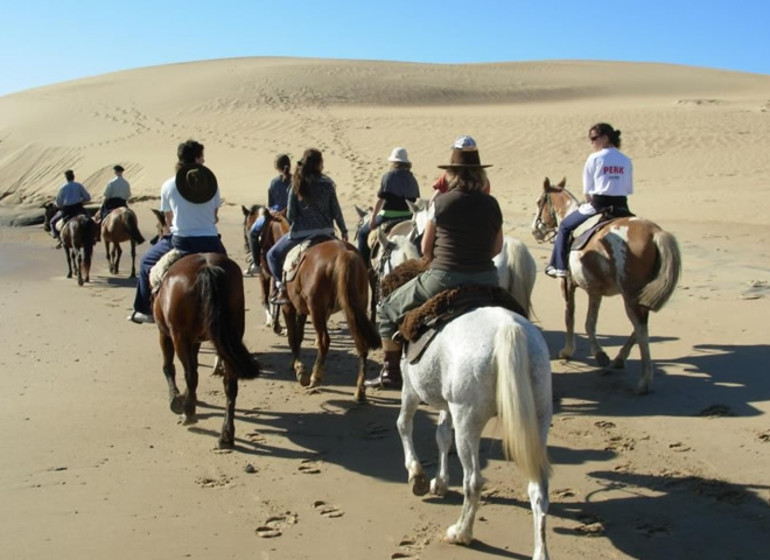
[608,172]
[190,220]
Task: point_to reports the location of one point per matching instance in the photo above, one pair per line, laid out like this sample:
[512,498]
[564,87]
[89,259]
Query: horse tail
[221,324]
[133,228]
[351,275]
[657,292]
[516,405]
[518,272]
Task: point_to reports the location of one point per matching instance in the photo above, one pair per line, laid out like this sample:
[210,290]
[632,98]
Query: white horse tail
[517,271]
[655,294]
[516,407]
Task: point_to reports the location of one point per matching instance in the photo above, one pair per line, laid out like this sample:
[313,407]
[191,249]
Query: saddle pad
[293,259]
[158,272]
[420,325]
[401,275]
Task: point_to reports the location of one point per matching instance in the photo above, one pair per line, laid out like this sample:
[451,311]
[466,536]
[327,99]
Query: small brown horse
[274,227]
[118,226]
[78,236]
[201,298]
[629,256]
[330,277]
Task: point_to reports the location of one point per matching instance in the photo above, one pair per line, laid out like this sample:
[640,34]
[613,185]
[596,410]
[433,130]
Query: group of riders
[463,233]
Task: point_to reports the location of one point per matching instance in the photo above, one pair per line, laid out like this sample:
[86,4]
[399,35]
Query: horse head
[553,204]
[49,209]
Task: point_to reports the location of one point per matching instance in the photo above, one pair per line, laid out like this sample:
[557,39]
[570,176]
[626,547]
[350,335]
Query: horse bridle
[547,233]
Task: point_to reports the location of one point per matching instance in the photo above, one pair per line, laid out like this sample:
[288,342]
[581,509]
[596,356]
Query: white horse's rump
[488,362]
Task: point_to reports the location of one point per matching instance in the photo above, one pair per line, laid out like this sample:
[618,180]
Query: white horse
[488,362]
[516,267]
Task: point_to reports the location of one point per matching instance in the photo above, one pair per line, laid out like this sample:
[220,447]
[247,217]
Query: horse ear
[361,212]
[382,238]
[562,183]
[546,184]
[160,216]
[414,208]
[245,210]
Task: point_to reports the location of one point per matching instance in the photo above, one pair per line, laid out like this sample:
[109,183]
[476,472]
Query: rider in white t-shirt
[607,181]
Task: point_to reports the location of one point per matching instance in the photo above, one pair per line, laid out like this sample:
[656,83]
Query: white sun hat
[399,155]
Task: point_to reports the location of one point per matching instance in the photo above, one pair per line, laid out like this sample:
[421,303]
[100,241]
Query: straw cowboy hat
[465,154]
[399,155]
[196,183]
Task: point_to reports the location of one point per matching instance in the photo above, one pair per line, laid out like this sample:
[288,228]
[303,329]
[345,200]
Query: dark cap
[118,167]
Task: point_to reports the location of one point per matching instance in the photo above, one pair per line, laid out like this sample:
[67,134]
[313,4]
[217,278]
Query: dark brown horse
[632,257]
[119,226]
[78,236]
[201,298]
[274,227]
[331,277]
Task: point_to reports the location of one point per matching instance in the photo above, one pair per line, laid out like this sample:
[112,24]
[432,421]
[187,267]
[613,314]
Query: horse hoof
[617,363]
[69,275]
[189,419]
[565,355]
[642,389]
[225,443]
[80,282]
[304,379]
[177,405]
[438,487]
[453,536]
[602,359]
[420,484]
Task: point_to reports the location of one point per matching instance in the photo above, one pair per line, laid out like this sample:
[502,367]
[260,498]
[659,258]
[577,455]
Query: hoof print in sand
[375,430]
[327,510]
[274,526]
[309,466]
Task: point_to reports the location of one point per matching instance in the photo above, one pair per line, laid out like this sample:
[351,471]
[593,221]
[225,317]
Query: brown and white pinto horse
[330,277]
[630,256]
[201,298]
[118,226]
[274,227]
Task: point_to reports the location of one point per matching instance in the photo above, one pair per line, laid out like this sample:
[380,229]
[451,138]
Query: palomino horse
[330,277]
[389,251]
[628,256]
[487,362]
[118,226]
[516,267]
[78,236]
[201,298]
[274,227]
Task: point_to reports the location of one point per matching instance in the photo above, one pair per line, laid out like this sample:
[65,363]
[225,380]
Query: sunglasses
[594,138]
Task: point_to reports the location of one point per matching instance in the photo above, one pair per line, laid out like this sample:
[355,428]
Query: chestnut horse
[330,277]
[78,236]
[118,226]
[274,227]
[201,298]
[630,256]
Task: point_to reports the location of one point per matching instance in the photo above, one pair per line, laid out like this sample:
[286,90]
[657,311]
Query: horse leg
[322,333]
[187,352]
[468,427]
[133,259]
[109,256]
[374,289]
[639,316]
[405,423]
[79,265]
[227,436]
[69,262]
[295,334]
[169,371]
[118,254]
[538,500]
[360,393]
[568,291]
[592,316]
[440,485]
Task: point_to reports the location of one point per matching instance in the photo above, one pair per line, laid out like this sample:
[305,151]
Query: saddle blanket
[297,253]
[158,272]
[585,231]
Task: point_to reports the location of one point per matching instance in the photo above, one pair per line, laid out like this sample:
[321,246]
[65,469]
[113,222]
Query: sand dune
[95,466]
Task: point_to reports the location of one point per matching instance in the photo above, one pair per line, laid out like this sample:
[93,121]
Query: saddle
[585,231]
[421,325]
[297,254]
[401,226]
[158,272]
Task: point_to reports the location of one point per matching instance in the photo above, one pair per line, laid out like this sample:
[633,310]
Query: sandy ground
[94,465]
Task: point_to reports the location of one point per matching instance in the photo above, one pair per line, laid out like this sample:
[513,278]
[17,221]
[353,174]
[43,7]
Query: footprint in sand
[275,525]
[327,510]
[309,466]
[564,493]
[654,529]
[256,437]
[604,424]
[620,443]
[764,436]
[375,430]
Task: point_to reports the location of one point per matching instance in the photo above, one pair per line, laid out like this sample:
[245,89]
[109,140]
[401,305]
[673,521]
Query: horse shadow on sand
[721,380]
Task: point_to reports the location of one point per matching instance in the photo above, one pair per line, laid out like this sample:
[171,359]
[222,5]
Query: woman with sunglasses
[607,181]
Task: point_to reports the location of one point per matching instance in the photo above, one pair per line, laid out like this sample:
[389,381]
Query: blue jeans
[561,244]
[277,254]
[363,239]
[184,244]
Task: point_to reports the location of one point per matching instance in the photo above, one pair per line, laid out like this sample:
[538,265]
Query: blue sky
[45,41]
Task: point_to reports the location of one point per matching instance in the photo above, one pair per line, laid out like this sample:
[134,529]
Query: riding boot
[280,296]
[390,375]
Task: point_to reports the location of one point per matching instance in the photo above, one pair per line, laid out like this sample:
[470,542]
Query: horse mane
[401,275]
